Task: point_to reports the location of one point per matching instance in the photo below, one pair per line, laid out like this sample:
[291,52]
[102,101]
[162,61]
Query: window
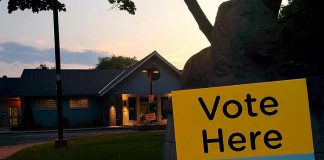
[81,103]
[132,108]
[46,104]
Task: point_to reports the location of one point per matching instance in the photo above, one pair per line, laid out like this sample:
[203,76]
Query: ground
[117,146]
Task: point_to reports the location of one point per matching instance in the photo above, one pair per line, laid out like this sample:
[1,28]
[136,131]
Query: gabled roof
[7,86]
[133,68]
[39,82]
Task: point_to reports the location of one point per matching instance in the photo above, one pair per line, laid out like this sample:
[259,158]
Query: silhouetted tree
[302,37]
[302,34]
[115,62]
[206,27]
[45,5]
[42,66]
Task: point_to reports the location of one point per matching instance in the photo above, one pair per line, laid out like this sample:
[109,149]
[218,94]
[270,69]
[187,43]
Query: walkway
[7,151]
[14,141]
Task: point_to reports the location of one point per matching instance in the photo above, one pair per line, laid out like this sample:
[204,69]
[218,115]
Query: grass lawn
[124,146]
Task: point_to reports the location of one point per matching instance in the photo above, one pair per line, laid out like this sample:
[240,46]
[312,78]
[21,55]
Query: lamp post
[153,74]
[60,142]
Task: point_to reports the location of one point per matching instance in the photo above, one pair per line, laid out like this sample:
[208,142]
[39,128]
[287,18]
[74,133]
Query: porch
[136,109]
[10,112]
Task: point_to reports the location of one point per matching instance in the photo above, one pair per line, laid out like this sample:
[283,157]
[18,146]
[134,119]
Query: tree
[115,62]
[46,5]
[206,27]
[42,66]
[302,32]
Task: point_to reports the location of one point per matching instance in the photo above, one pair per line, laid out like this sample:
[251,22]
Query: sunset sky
[91,29]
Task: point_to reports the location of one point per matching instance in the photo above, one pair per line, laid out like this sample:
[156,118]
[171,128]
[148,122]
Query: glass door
[13,116]
[148,110]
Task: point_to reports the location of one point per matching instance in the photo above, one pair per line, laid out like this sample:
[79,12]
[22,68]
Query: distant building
[9,104]
[90,97]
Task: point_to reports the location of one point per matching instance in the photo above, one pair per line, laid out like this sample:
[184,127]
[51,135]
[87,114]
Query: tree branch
[204,25]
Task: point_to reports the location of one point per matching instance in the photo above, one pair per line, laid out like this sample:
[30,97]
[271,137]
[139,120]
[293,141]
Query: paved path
[12,142]
[7,151]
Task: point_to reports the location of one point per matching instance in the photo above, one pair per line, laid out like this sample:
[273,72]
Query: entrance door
[143,111]
[112,116]
[13,116]
[148,108]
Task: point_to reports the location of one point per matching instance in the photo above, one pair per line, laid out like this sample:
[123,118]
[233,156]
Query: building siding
[138,82]
[76,117]
[98,113]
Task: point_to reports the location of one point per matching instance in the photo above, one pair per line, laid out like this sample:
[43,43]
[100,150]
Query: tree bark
[204,25]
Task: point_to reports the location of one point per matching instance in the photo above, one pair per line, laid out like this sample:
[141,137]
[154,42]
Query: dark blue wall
[76,117]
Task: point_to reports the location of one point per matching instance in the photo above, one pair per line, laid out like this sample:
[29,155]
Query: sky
[91,28]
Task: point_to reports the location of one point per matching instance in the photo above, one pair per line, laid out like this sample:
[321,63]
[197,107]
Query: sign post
[269,120]
[151,98]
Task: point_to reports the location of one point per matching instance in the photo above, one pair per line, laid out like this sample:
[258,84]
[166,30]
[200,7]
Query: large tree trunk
[204,25]
[273,5]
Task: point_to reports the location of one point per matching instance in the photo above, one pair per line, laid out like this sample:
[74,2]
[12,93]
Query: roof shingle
[38,82]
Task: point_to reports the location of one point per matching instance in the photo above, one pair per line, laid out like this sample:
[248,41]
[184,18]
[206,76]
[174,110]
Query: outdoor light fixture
[152,72]
[144,70]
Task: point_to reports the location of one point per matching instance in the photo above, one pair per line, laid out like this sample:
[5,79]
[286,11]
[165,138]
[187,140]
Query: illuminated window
[46,104]
[79,103]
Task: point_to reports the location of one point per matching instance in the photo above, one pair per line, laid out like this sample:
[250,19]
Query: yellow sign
[269,120]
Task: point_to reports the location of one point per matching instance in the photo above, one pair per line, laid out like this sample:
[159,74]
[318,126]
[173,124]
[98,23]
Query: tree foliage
[302,34]
[115,62]
[46,5]
[42,66]
[126,5]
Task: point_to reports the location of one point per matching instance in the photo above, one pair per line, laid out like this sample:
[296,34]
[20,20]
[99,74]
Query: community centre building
[93,97]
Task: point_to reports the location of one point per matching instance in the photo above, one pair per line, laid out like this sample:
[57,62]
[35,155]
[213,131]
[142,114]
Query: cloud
[15,57]
[15,69]
[11,52]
